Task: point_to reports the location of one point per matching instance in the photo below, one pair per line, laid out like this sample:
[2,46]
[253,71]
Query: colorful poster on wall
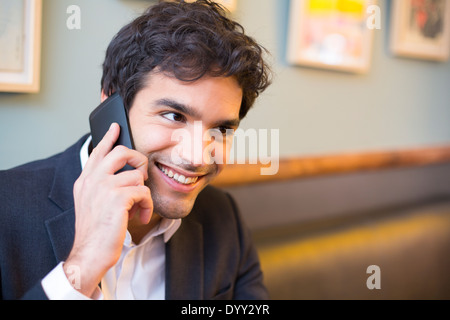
[331,34]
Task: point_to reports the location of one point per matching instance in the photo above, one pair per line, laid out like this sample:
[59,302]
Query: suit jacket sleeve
[36,222]
[35,293]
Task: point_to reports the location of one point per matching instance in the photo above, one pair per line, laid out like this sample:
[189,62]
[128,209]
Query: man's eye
[173,116]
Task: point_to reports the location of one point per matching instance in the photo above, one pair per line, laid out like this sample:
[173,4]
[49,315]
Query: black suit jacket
[211,256]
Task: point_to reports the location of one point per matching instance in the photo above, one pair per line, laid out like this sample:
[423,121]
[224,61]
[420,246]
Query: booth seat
[319,237]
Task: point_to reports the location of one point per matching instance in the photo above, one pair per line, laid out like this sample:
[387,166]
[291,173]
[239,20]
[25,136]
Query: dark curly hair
[188,41]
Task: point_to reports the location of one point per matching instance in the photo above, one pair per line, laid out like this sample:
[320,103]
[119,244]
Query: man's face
[172,122]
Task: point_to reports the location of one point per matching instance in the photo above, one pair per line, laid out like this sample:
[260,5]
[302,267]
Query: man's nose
[193,146]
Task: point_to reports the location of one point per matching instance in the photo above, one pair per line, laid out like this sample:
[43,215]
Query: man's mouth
[177,176]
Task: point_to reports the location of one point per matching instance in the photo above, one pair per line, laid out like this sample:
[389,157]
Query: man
[71,227]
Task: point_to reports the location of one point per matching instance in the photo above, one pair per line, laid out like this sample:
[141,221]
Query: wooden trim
[302,167]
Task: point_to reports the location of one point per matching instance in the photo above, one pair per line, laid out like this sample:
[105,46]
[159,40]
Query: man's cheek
[152,141]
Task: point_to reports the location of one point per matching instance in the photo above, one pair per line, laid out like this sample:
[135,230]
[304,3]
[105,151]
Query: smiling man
[167,104]
[71,227]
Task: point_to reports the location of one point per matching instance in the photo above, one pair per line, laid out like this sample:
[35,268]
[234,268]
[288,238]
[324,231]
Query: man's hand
[104,203]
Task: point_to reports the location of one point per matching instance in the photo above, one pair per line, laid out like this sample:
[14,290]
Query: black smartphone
[109,111]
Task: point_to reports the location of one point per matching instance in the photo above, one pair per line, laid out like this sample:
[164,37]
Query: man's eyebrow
[232,123]
[180,107]
[189,111]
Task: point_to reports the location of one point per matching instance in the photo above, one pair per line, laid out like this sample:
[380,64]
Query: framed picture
[20,43]
[421,29]
[229,4]
[331,34]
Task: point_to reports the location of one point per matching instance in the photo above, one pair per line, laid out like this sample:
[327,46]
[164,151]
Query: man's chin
[173,209]
[170,204]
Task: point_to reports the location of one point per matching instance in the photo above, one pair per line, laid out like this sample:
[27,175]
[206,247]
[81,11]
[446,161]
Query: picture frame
[229,4]
[20,40]
[421,29]
[331,35]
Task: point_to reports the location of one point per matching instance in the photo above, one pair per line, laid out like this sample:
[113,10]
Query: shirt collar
[167,227]
[84,152]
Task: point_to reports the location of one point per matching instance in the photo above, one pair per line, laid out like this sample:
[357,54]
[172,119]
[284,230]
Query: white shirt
[138,275]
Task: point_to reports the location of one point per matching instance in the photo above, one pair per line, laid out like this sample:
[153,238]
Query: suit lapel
[184,264]
[61,228]
[61,231]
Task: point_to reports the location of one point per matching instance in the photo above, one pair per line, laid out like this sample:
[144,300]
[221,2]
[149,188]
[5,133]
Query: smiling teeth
[178,177]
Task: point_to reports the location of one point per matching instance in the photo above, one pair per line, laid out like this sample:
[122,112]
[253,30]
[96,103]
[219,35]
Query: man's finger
[129,178]
[105,145]
[121,156]
[141,202]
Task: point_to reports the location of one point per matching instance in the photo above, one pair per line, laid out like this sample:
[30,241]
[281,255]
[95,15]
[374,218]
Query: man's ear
[103,96]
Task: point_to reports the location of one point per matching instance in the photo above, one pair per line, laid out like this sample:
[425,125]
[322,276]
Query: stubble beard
[173,205]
